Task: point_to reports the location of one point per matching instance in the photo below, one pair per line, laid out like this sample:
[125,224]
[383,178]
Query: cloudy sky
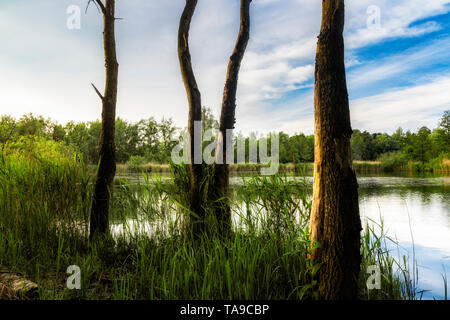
[398,71]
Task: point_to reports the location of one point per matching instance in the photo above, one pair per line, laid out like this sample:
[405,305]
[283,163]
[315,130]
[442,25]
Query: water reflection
[414,209]
[416,212]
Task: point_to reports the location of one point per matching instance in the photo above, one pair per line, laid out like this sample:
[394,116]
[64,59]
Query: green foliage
[38,150]
[44,210]
[362,145]
[208,120]
[154,141]
[392,161]
[44,191]
[135,163]
[445,123]
[297,148]
[425,150]
[366,146]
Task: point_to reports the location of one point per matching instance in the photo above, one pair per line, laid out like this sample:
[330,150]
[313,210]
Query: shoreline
[361,167]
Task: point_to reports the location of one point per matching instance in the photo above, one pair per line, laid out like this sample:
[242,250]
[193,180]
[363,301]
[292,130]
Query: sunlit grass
[44,208]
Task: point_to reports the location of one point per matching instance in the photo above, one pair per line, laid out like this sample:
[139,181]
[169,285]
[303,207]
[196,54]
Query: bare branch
[98,92]
[98,4]
[101,5]
[87,6]
[227,118]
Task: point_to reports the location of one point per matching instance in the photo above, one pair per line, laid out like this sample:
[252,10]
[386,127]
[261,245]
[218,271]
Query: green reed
[44,211]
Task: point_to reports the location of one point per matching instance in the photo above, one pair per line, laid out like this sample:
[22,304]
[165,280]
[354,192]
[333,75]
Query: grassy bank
[235,168]
[44,207]
[396,162]
[387,164]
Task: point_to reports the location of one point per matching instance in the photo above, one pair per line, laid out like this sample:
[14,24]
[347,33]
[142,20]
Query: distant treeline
[151,141]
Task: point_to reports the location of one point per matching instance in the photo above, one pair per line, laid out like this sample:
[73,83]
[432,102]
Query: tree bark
[335,220]
[196,174]
[227,122]
[99,223]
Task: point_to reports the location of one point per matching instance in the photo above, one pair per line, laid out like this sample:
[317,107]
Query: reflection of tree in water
[426,194]
[426,191]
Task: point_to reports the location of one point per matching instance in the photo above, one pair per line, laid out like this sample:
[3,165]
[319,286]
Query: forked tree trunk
[227,121]
[99,224]
[195,115]
[335,220]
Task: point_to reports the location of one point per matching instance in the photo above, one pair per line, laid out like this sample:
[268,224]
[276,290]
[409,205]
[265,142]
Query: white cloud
[47,69]
[410,108]
[387,68]
[396,19]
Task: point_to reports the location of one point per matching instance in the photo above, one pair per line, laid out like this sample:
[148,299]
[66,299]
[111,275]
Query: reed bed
[44,207]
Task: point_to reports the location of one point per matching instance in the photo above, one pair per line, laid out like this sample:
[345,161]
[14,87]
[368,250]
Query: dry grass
[445,166]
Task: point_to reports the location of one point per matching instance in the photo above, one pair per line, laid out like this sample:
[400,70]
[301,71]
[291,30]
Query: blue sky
[398,73]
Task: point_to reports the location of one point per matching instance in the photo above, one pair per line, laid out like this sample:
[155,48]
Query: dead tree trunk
[335,220]
[227,121]
[99,223]
[196,174]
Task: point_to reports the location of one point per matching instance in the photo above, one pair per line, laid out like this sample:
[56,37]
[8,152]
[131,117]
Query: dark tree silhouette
[99,224]
[227,121]
[196,173]
[335,220]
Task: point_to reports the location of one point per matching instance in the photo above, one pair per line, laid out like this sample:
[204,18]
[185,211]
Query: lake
[415,212]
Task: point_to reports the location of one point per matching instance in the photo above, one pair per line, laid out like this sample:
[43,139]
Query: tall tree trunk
[227,121]
[335,220]
[195,115]
[99,223]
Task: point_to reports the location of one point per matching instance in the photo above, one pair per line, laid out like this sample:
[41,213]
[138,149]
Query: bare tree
[196,174]
[228,120]
[335,220]
[99,223]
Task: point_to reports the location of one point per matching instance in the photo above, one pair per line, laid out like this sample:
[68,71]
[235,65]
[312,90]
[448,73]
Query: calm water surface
[415,212]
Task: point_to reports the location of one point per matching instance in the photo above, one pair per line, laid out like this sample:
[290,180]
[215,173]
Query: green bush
[39,149]
[135,163]
[44,192]
[392,161]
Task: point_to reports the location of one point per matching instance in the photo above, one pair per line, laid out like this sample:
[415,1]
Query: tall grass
[444,279]
[44,208]
[44,205]
[397,281]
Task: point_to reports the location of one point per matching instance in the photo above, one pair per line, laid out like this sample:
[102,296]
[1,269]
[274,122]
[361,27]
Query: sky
[397,58]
